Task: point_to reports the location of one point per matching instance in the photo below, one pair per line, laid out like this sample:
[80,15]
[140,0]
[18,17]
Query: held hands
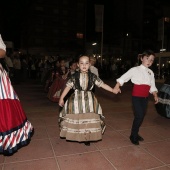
[116,90]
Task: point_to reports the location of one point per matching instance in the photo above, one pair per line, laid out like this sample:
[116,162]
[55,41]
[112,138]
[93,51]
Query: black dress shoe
[140,138]
[87,143]
[134,141]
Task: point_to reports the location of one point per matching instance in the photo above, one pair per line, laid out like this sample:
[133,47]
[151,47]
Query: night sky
[13,12]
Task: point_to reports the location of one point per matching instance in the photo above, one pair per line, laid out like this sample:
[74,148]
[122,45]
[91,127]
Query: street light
[94,44]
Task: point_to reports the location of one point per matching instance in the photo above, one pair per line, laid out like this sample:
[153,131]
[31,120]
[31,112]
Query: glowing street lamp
[94,44]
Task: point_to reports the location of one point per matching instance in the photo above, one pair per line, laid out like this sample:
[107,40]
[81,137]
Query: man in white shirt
[93,69]
[144,83]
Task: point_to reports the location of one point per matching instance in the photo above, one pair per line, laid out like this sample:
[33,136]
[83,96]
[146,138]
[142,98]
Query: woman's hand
[61,102]
[2,53]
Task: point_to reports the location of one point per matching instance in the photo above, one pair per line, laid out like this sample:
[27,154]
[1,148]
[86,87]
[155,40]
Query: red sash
[141,90]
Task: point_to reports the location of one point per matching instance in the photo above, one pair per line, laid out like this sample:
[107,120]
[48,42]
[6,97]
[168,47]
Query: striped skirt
[81,118]
[15,130]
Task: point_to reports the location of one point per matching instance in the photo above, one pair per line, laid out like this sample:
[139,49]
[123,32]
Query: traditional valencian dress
[15,129]
[81,118]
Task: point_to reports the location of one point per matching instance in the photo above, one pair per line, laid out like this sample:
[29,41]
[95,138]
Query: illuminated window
[79,35]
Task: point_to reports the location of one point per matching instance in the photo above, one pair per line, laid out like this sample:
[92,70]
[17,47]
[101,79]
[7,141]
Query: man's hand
[116,90]
[155,97]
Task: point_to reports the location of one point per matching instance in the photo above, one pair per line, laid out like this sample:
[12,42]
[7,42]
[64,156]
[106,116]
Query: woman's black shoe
[87,143]
[134,141]
[140,138]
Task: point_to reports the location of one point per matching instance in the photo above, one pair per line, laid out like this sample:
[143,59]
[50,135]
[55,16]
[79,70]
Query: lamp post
[94,47]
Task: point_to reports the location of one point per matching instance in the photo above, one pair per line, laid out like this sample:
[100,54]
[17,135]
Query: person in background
[10,65]
[144,82]
[93,69]
[17,68]
[81,118]
[15,129]
[24,69]
[58,83]
[72,70]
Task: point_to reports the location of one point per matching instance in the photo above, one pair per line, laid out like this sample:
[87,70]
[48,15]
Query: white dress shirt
[139,75]
[94,70]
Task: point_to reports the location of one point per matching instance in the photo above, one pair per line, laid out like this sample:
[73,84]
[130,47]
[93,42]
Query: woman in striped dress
[81,118]
[15,129]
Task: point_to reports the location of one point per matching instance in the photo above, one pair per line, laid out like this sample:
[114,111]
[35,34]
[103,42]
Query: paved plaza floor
[47,151]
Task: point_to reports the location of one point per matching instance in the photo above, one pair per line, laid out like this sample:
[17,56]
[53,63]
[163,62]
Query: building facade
[54,27]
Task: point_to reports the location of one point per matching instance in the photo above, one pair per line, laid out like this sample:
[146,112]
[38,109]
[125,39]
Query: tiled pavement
[47,151]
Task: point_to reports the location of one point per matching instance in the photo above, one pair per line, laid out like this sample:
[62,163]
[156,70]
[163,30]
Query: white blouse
[2,44]
[139,75]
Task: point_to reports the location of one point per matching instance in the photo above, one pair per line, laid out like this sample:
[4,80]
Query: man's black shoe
[134,141]
[140,138]
[87,143]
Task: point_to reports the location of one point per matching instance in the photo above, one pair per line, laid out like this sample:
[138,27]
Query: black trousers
[139,106]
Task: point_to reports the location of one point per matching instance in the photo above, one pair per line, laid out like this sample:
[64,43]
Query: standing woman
[59,82]
[15,129]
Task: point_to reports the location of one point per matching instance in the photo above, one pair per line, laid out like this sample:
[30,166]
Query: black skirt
[163,107]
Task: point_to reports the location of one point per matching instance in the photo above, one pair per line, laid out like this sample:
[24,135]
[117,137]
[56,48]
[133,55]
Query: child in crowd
[81,118]
[144,82]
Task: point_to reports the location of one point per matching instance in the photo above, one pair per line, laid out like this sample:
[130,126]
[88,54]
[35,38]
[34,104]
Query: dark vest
[76,80]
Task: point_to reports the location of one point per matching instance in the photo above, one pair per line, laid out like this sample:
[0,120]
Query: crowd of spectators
[22,67]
